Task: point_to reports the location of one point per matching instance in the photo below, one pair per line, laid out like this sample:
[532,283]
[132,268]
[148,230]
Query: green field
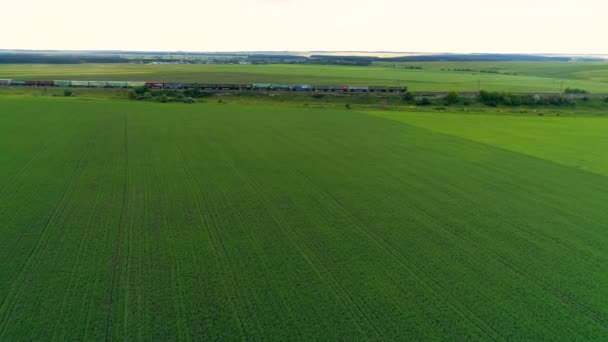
[144,221]
[548,77]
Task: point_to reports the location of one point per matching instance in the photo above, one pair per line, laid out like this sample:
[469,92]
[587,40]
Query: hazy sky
[546,26]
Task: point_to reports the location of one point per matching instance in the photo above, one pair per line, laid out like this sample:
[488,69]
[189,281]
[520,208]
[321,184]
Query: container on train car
[174,86]
[280,87]
[207,86]
[39,83]
[378,89]
[5,82]
[154,85]
[80,84]
[324,88]
[116,84]
[18,83]
[397,89]
[135,84]
[62,83]
[98,84]
[360,89]
[302,87]
[261,86]
[228,86]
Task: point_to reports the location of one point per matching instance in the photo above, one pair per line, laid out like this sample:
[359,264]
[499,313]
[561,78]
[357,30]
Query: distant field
[531,76]
[146,221]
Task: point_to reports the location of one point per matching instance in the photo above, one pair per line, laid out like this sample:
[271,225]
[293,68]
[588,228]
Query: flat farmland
[145,221]
[543,77]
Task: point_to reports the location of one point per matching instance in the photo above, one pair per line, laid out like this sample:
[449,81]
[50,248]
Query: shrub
[163,98]
[347,106]
[408,97]
[423,102]
[451,98]
[575,91]
[68,92]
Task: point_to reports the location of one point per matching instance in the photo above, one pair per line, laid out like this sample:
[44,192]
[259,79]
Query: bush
[494,99]
[188,100]
[163,98]
[408,97]
[141,90]
[451,98]
[318,96]
[606,99]
[424,102]
[575,91]
[68,93]
[347,106]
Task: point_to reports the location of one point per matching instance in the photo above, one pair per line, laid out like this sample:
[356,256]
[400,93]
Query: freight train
[232,87]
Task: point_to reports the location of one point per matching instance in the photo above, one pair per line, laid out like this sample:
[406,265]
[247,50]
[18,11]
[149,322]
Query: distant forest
[66,57]
[58,59]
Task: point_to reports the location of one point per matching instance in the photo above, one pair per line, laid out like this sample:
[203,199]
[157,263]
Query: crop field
[549,77]
[144,221]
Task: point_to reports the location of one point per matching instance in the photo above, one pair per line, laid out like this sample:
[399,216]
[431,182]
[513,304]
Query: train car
[378,89]
[98,84]
[80,84]
[154,85]
[5,82]
[302,87]
[323,88]
[18,83]
[116,84]
[261,86]
[62,83]
[39,83]
[280,87]
[397,89]
[135,84]
[228,86]
[173,86]
[358,89]
[208,86]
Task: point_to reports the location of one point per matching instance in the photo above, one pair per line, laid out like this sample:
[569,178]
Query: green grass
[531,76]
[578,142]
[143,221]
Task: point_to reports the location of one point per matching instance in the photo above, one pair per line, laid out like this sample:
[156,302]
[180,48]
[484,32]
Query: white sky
[527,26]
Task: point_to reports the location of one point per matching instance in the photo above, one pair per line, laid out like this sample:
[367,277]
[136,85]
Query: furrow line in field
[118,242]
[24,168]
[546,287]
[33,256]
[297,241]
[595,316]
[178,297]
[217,246]
[78,259]
[488,330]
[427,280]
[516,269]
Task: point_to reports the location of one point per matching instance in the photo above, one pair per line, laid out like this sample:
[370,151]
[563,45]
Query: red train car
[154,85]
[40,83]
